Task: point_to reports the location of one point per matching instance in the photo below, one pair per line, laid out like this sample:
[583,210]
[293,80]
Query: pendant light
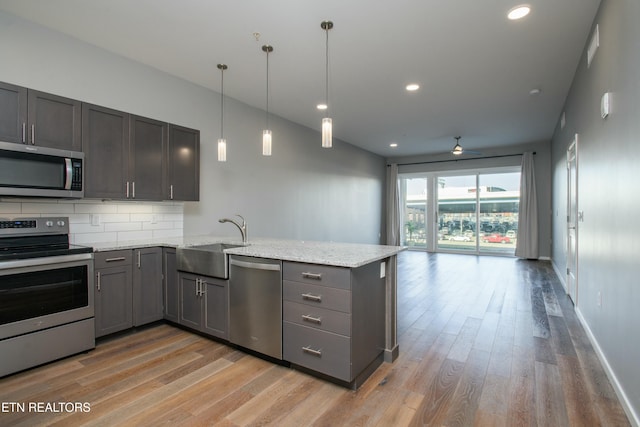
[327,126]
[266,134]
[222,143]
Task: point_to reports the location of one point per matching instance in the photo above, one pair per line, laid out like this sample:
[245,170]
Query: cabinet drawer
[317,296]
[320,351]
[317,317]
[335,277]
[112,258]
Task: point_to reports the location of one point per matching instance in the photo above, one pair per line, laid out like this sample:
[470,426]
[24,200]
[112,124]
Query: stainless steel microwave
[32,171]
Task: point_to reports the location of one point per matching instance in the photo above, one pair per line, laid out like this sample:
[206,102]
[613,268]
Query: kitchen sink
[207,260]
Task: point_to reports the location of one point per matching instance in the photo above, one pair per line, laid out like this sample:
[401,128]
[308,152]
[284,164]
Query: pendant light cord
[267,120]
[221,103]
[326,95]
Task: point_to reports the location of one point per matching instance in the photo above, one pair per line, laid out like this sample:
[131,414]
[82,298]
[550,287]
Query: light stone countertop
[349,255]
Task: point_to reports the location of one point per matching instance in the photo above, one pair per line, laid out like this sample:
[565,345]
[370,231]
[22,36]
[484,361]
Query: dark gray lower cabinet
[204,304]
[147,286]
[128,289]
[171,285]
[333,319]
[114,286]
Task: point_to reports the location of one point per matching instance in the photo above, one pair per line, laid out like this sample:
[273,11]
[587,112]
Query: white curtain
[393,206]
[527,243]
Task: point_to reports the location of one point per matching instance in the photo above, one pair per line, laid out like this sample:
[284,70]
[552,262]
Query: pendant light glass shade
[327,127]
[222,142]
[327,132]
[222,150]
[266,142]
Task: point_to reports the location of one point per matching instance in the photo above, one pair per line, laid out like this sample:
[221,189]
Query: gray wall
[609,171]
[542,162]
[301,192]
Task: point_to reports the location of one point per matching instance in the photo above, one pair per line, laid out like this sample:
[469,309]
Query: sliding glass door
[457,207]
[469,212]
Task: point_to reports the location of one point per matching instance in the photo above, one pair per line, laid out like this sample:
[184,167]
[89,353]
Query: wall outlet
[95,219]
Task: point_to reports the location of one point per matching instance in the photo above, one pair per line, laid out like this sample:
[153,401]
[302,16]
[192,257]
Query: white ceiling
[475,67]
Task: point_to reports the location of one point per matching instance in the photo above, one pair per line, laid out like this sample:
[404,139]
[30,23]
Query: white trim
[634,418]
[560,275]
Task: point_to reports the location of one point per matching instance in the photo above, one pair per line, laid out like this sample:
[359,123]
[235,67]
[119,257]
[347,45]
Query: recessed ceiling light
[412,87]
[535,91]
[519,12]
[321,106]
[393,145]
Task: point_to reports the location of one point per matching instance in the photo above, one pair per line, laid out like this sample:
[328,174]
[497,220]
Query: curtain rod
[457,160]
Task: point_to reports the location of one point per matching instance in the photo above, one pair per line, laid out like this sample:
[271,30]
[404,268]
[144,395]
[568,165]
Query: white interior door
[572,220]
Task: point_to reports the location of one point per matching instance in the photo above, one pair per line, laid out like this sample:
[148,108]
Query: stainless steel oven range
[46,293]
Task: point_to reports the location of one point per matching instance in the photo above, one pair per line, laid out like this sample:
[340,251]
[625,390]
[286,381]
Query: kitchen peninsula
[338,300]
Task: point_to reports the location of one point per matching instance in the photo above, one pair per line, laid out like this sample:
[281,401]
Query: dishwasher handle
[254,265]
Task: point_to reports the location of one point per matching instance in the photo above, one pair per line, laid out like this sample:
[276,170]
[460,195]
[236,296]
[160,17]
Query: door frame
[573,218]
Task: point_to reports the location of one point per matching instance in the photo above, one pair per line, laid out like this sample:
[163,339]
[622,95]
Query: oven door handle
[51,260]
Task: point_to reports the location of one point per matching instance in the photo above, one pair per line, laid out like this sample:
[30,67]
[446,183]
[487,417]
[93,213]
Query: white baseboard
[560,275]
[634,418]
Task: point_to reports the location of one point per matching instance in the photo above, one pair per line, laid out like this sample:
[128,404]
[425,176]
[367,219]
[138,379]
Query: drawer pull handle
[311,297]
[314,276]
[311,319]
[120,258]
[309,350]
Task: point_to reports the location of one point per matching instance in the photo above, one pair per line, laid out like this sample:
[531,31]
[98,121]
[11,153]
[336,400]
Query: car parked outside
[460,238]
[496,238]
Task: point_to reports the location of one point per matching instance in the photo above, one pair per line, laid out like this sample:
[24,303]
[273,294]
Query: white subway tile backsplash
[47,209]
[134,208]
[124,236]
[89,238]
[116,221]
[96,207]
[122,226]
[159,234]
[10,208]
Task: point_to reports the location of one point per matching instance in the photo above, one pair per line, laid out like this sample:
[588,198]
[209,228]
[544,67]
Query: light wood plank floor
[484,341]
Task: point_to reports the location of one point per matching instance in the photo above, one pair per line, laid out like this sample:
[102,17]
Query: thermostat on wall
[605,105]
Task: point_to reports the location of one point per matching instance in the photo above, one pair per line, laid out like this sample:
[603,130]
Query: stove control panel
[18,224]
[34,226]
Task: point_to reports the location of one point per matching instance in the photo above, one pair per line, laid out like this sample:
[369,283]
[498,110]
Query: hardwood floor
[484,341]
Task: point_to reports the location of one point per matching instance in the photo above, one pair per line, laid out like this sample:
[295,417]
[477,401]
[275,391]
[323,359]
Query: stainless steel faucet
[242,227]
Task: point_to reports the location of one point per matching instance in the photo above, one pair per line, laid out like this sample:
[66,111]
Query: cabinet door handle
[138,259]
[133,190]
[311,297]
[197,287]
[127,196]
[119,258]
[314,276]
[202,287]
[98,282]
[311,319]
[309,350]
[24,132]
[33,134]
[171,192]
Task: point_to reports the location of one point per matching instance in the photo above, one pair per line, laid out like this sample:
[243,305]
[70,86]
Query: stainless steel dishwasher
[255,304]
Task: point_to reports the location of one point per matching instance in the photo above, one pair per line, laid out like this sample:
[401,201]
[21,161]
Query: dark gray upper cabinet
[13,113]
[147,161]
[37,118]
[54,121]
[183,163]
[105,142]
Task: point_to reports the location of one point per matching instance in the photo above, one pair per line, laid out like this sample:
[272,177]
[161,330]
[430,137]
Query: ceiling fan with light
[458,150]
